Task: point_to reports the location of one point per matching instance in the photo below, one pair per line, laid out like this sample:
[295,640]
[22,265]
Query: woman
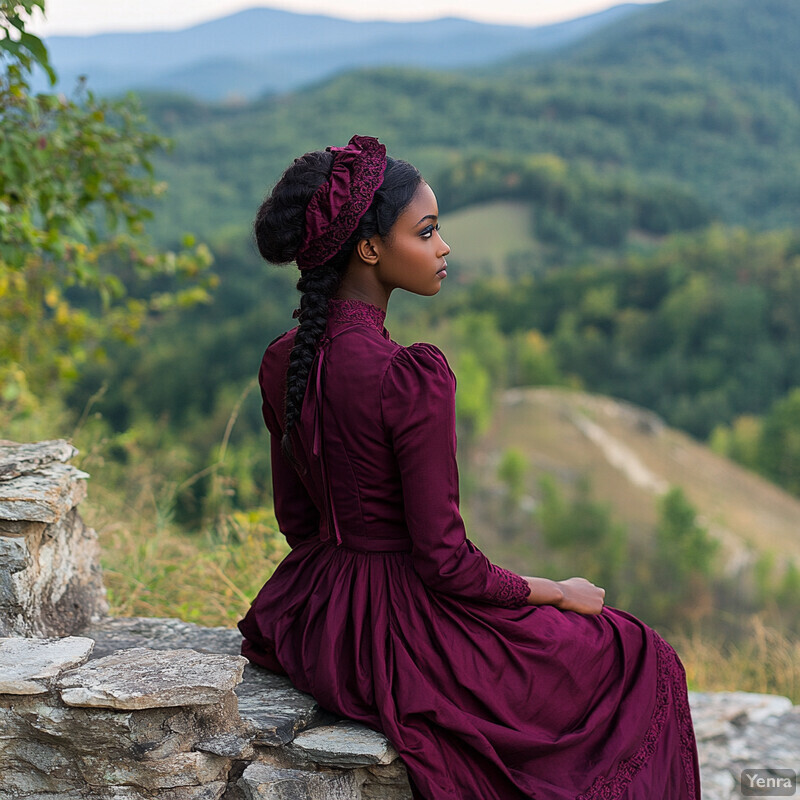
[490,685]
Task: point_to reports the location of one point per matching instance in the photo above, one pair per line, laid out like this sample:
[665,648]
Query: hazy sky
[98,16]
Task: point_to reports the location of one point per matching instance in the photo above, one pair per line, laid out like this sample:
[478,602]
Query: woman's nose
[445,248]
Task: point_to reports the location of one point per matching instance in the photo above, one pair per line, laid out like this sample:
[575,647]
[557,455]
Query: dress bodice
[376,444]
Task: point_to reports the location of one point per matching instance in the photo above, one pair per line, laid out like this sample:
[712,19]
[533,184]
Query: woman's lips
[443,270]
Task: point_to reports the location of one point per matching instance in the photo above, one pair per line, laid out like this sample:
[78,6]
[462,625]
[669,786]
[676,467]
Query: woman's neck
[359,283]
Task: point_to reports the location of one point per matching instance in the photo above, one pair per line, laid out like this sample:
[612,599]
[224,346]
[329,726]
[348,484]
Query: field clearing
[482,237]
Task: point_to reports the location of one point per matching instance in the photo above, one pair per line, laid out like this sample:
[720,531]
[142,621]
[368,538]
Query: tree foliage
[701,329]
[684,561]
[769,444]
[76,182]
[581,532]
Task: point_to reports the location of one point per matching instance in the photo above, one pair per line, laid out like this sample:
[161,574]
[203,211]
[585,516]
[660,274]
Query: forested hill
[697,95]
[738,40]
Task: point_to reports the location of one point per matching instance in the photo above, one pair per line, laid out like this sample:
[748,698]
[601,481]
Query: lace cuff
[513,590]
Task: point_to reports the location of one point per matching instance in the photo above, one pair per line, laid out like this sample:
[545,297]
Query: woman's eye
[428,232]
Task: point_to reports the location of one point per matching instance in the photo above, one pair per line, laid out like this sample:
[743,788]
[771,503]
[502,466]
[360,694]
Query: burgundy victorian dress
[386,613]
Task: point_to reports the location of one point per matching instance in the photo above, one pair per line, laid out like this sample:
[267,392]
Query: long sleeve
[418,406]
[298,518]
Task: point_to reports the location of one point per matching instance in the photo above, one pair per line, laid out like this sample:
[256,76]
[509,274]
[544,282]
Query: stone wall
[50,579]
[97,708]
[144,708]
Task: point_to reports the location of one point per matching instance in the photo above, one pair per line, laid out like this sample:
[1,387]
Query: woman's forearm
[544,592]
[572,594]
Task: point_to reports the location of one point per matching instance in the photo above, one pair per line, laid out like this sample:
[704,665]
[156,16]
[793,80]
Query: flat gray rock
[146,678]
[231,744]
[273,709]
[346,744]
[208,791]
[18,458]
[176,771]
[264,782]
[42,496]
[28,666]
[21,528]
[720,714]
[772,742]
[160,633]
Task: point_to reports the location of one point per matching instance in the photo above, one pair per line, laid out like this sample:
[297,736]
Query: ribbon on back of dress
[318,447]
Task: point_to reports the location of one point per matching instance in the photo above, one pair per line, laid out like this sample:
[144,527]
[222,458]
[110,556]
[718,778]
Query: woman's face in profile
[412,256]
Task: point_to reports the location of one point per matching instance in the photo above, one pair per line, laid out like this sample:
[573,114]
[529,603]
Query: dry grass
[153,569]
[765,660]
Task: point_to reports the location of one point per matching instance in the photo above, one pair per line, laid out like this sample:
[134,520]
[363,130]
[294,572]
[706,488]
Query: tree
[511,471]
[473,399]
[76,184]
[779,446]
[583,533]
[684,560]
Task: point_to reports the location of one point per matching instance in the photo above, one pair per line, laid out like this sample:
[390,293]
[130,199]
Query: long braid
[318,285]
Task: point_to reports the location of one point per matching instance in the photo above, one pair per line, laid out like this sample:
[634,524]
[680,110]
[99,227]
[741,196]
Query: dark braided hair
[279,229]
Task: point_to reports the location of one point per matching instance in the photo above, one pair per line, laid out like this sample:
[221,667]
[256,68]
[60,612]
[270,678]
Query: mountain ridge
[661,39]
[290,50]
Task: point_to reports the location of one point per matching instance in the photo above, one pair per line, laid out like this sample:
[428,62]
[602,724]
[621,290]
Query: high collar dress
[386,613]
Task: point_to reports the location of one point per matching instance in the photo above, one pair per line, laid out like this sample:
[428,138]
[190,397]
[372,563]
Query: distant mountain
[263,51]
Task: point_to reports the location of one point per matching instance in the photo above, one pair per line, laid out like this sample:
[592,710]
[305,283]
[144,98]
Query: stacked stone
[50,579]
[298,750]
[136,724]
[142,723]
[157,708]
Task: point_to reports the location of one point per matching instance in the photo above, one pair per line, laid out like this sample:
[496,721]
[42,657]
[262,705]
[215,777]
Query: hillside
[639,101]
[263,50]
[744,42]
[630,457]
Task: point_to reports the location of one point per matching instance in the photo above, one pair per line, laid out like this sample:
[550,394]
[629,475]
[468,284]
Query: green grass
[481,238]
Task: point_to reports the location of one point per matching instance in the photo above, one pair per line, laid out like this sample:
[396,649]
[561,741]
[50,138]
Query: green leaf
[37,49]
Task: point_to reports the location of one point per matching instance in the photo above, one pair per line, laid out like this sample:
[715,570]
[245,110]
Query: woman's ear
[367,251]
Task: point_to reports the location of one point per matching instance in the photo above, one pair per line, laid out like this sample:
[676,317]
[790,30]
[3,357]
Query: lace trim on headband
[367,177]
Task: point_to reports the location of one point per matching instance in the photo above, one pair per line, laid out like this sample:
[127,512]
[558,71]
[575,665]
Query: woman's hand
[573,594]
[582,596]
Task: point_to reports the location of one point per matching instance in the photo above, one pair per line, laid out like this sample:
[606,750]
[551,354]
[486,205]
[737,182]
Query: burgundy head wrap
[337,206]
